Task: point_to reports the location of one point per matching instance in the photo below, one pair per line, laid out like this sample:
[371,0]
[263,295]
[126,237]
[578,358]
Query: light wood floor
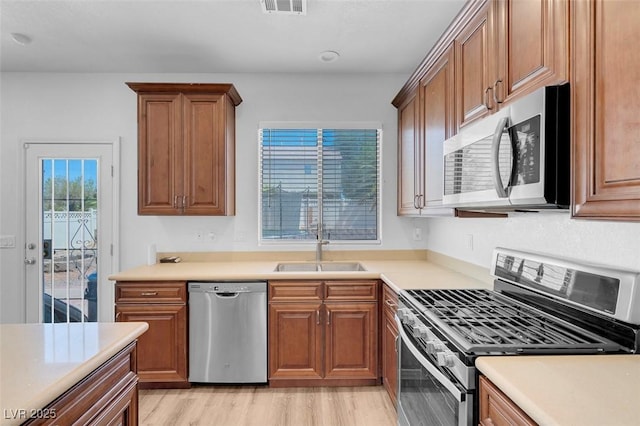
[250,405]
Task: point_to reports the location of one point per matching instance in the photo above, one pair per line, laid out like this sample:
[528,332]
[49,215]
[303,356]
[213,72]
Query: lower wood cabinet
[162,350]
[389,343]
[295,341]
[351,340]
[496,409]
[107,396]
[324,335]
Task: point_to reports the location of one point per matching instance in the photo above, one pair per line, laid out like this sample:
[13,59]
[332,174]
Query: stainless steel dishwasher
[228,332]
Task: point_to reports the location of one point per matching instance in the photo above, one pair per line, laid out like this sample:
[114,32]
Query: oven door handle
[437,374]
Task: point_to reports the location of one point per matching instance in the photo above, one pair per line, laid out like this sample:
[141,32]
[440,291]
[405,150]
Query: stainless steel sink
[341,266]
[318,266]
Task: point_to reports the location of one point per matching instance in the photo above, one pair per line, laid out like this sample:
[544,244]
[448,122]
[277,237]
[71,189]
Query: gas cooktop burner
[481,321]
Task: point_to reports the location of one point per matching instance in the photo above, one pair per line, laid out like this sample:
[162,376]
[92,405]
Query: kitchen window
[320,182]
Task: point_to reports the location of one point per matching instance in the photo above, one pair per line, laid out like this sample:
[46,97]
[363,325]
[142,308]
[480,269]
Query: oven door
[426,396]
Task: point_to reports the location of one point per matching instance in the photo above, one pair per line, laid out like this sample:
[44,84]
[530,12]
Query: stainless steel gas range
[539,305]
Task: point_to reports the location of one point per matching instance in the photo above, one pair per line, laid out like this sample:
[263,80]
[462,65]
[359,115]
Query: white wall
[605,242]
[102,107]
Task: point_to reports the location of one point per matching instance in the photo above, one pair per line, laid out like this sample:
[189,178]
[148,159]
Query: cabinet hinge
[111,249]
[111,171]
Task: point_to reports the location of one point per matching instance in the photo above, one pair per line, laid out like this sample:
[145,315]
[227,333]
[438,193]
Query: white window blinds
[320,183]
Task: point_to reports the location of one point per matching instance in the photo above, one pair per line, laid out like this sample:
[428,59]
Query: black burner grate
[486,321]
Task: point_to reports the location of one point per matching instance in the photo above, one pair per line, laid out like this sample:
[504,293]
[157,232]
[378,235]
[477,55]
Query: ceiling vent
[284,7]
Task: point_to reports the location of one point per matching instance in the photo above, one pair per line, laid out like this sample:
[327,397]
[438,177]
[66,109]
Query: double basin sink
[318,266]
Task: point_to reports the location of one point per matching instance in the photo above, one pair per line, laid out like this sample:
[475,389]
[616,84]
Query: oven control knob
[435,346]
[411,320]
[421,332]
[446,359]
[403,314]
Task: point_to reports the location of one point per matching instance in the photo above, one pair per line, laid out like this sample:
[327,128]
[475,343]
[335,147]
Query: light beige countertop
[39,362]
[400,270]
[570,390]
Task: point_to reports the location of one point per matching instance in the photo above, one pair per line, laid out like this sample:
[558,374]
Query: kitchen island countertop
[39,362]
[570,389]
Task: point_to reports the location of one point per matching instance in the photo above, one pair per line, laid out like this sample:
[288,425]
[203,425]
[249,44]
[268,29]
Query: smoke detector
[284,7]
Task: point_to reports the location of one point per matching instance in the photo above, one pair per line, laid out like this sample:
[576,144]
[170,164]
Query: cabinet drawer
[351,290]
[389,301]
[280,291]
[151,292]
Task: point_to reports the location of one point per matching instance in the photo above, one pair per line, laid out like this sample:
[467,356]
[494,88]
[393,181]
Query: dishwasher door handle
[227,294]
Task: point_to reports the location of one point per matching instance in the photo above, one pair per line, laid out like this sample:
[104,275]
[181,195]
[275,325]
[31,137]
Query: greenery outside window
[320,182]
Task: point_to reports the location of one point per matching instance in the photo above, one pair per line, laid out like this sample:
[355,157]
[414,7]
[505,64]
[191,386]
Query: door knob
[30,261]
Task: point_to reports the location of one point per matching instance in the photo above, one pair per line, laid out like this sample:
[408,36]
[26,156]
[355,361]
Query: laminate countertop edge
[399,274]
[40,362]
[585,390]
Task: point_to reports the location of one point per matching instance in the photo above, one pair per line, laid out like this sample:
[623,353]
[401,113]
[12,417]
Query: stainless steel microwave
[515,159]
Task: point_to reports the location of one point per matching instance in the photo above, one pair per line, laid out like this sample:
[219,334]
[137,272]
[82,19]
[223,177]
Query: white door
[71,230]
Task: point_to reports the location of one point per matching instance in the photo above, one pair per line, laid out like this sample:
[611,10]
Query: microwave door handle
[495,154]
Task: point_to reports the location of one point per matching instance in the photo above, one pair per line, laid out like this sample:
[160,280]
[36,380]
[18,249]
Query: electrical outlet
[417,234]
[469,242]
[211,236]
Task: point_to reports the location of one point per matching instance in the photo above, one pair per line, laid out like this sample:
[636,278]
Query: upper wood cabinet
[508,49]
[474,50]
[605,87]
[426,120]
[408,157]
[186,148]
[531,46]
[437,124]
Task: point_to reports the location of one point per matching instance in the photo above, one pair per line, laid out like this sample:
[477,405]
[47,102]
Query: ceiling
[220,36]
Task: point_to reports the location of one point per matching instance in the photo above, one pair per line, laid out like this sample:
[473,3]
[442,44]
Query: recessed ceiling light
[329,56]
[21,39]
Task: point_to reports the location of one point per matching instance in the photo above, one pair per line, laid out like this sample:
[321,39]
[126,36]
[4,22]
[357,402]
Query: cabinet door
[531,45]
[605,106]
[474,53]
[206,151]
[295,341]
[496,409]
[351,344]
[409,155]
[162,349]
[390,357]
[389,335]
[160,165]
[438,124]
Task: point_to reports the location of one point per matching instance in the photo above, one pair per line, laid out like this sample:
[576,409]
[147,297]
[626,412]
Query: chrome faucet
[320,242]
